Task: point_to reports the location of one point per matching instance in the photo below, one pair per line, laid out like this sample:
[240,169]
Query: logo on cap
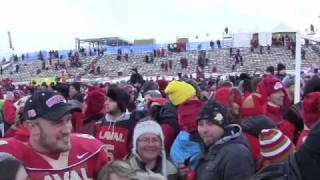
[218,117]
[32,113]
[56,99]
[277,86]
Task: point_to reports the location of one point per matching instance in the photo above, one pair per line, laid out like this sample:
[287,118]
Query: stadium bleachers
[217,57]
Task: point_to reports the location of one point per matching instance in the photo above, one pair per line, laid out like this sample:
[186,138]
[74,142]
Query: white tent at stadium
[265,38]
[282,28]
[241,38]
[5,51]
[283,31]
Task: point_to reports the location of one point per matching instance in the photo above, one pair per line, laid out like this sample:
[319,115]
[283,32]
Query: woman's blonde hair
[118,167]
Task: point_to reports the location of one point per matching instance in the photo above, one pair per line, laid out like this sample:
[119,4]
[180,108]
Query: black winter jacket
[228,159]
[287,170]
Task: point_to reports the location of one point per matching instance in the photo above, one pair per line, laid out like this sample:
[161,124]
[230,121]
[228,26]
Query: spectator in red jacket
[295,112]
[94,110]
[231,99]
[276,97]
[92,105]
[311,114]
[253,121]
[20,132]
[9,110]
[162,83]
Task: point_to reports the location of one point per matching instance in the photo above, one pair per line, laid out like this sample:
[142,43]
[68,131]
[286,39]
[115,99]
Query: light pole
[297,69]
[10,45]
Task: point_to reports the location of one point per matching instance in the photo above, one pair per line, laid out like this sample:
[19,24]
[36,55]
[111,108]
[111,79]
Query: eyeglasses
[155,140]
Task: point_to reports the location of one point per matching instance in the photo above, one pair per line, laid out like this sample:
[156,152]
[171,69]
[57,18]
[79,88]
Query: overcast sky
[54,24]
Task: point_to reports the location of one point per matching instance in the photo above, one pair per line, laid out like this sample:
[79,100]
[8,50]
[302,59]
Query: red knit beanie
[95,101]
[269,85]
[311,109]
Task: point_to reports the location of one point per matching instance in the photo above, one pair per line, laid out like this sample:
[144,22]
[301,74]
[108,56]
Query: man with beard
[226,154]
[52,152]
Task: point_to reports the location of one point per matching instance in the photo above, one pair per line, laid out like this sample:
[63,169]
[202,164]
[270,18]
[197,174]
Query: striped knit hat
[274,145]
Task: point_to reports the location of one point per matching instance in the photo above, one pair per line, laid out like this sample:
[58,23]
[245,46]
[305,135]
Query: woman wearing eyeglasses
[148,157]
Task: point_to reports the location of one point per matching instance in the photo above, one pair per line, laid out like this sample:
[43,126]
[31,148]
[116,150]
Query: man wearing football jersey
[52,152]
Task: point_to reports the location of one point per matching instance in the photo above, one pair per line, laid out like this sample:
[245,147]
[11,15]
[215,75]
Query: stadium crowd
[192,128]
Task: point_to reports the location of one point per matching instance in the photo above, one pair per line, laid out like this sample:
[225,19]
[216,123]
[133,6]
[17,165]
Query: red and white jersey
[116,137]
[82,162]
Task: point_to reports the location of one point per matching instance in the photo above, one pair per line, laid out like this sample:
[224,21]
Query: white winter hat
[149,126]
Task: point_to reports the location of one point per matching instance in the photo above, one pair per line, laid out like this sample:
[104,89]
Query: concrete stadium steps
[217,57]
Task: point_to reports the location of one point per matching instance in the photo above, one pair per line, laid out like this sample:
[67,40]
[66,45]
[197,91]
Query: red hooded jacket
[9,112]
[188,114]
[275,113]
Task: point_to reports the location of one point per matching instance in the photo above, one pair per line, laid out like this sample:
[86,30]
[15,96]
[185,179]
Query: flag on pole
[10,40]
